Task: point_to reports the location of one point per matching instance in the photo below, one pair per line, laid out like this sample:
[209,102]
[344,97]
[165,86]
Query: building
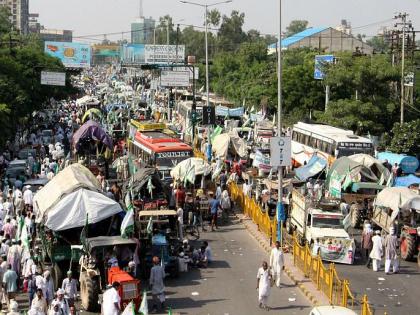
[142,30]
[325,40]
[344,27]
[53,35]
[34,25]
[19,10]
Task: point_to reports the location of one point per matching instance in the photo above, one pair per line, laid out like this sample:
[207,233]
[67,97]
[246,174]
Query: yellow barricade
[326,279]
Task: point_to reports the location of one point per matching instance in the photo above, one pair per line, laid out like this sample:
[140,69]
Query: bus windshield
[322,222]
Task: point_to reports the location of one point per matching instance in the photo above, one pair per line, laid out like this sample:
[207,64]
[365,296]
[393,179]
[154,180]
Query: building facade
[142,31]
[19,10]
[53,35]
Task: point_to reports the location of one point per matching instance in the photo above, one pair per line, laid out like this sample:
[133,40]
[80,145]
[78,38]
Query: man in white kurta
[277,262]
[157,274]
[376,253]
[111,300]
[263,285]
[391,253]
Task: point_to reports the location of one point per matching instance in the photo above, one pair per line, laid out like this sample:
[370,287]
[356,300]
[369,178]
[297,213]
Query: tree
[405,138]
[5,24]
[296,26]
[213,17]
[378,44]
[230,33]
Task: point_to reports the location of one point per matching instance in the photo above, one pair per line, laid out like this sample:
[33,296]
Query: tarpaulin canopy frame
[91,130]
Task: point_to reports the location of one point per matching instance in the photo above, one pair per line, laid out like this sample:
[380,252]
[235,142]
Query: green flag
[144,308]
[170,311]
[217,131]
[127,225]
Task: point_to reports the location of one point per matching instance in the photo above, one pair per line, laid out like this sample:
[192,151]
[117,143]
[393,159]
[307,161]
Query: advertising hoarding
[320,61]
[280,151]
[174,78]
[53,78]
[132,54]
[159,54]
[72,55]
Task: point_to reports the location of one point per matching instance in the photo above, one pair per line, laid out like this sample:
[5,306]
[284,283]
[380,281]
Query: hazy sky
[88,17]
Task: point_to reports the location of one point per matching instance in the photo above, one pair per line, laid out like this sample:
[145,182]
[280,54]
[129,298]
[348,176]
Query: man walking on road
[376,253]
[157,274]
[111,300]
[277,262]
[367,244]
[263,285]
[10,278]
[391,256]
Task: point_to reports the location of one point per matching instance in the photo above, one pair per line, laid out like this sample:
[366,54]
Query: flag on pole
[129,309]
[149,227]
[144,308]
[150,186]
[170,311]
[127,225]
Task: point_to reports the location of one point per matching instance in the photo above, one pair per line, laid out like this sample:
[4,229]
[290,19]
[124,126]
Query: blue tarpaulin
[406,181]
[409,164]
[314,167]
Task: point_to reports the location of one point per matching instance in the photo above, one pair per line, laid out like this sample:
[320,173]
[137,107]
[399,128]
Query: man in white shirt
[277,262]
[180,214]
[69,286]
[111,300]
[28,196]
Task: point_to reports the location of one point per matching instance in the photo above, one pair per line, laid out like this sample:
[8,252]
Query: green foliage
[378,43]
[405,138]
[230,34]
[296,26]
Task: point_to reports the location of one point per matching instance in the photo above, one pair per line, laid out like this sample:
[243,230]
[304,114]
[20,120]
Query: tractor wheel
[408,245]
[356,218]
[89,294]
[57,275]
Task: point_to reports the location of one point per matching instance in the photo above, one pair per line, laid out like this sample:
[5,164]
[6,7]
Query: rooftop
[299,36]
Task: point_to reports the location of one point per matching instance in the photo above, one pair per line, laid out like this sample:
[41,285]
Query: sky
[93,17]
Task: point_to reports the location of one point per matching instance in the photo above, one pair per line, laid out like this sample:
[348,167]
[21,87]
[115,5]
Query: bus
[327,142]
[154,147]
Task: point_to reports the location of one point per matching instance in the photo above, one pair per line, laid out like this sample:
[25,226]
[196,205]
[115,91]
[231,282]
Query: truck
[319,223]
[399,207]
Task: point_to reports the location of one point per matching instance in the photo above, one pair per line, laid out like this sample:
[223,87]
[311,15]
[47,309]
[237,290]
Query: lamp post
[279,133]
[206,6]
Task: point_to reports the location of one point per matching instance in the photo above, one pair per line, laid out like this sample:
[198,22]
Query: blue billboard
[72,55]
[320,62]
[132,54]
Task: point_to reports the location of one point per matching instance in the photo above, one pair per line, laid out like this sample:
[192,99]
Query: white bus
[327,142]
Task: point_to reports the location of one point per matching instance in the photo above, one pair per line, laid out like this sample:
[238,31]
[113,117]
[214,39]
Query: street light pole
[279,133]
[207,56]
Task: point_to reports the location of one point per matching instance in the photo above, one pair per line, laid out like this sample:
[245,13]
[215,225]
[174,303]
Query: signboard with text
[53,78]
[72,55]
[320,62]
[132,54]
[280,151]
[174,78]
[164,54]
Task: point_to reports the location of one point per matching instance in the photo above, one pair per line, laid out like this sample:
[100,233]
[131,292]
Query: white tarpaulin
[221,144]
[73,177]
[398,198]
[183,168]
[72,210]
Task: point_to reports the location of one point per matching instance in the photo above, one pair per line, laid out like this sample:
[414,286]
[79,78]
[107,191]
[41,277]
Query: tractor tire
[57,275]
[356,218]
[407,246]
[89,294]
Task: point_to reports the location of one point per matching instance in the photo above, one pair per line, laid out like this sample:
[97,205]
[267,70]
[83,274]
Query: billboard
[174,78]
[321,61]
[72,55]
[160,54]
[53,78]
[132,53]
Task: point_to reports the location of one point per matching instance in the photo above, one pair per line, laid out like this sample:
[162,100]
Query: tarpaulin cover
[375,165]
[231,112]
[406,181]
[73,210]
[409,164]
[398,198]
[182,168]
[140,178]
[91,130]
[313,168]
[73,177]
[221,144]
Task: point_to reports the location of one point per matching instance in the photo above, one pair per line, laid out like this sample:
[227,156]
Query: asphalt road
[228,285]
[394,294]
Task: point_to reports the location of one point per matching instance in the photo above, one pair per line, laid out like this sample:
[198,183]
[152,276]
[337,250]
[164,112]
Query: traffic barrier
[325,278]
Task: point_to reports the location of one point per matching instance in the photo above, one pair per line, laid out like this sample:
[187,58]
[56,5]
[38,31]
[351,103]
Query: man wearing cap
[28,197]
[39,304]
[70,288]
[49,287]
[391,255]
[64,305]
[55,309]
[111,300]
[376,253]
